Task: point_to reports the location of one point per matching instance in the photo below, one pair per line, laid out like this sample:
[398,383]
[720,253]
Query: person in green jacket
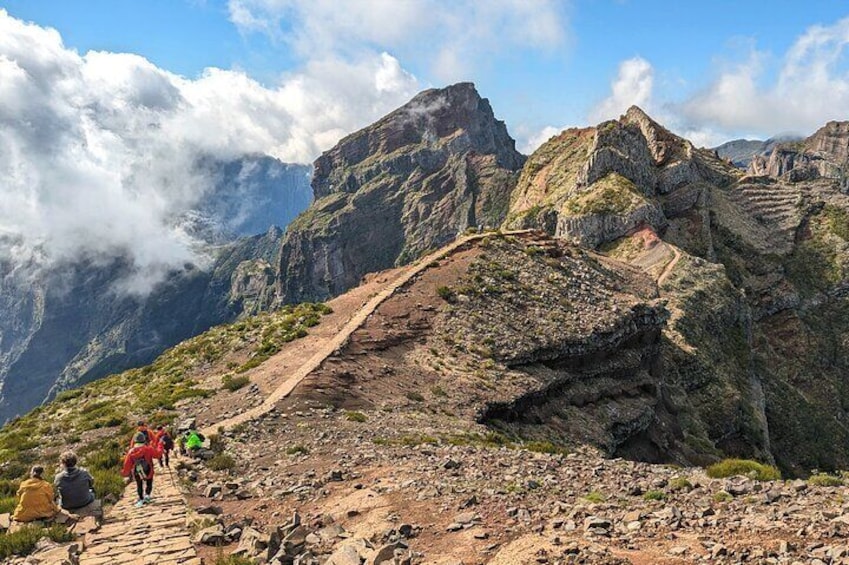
[192,442]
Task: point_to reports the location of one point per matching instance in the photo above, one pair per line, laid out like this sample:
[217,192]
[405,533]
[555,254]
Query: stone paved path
[155,533]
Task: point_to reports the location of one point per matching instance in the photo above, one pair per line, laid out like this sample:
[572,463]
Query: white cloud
[632,86]
[98,151]
[449,38]
[810,88]
[534,140]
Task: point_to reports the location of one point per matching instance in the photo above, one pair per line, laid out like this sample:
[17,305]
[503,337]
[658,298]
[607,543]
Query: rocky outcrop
[408,183]
[825,154]
[595,185]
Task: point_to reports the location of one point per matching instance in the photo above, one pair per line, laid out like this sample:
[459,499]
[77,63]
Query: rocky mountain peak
[408,183]
[455,118]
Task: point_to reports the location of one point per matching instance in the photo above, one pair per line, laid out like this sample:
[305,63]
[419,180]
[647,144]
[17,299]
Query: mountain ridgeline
[689,309]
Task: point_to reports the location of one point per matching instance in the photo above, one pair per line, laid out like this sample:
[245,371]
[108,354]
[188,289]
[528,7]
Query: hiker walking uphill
[165,443]
[141,428]
[138,466]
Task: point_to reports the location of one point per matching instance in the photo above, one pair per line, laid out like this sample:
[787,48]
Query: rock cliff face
[746,263]
[823,155]
[409,183]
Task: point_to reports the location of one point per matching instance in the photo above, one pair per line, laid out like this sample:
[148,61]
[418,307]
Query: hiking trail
[157,533]
[153,534]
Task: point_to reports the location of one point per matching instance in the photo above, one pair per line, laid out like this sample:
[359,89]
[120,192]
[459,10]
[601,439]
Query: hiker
[36,498]
[75,484]
[138,464]
[165,443]
[192,442]
[141,428]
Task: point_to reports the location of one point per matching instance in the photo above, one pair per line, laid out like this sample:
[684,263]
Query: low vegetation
[613,194]
[23,541]
[745,467]
[97,419]
[825,480]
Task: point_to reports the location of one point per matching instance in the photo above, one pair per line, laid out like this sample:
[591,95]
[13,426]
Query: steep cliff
[753,268]
[408,183]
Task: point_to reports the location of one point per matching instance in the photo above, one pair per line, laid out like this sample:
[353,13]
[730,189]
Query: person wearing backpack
[141,428]
[193,442]
[138,465]
[166,444]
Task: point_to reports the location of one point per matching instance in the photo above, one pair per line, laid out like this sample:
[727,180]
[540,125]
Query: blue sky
[536,86]
[687,44]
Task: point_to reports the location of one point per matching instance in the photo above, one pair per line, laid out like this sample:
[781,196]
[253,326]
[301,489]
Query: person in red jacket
[141,428]
[138,464]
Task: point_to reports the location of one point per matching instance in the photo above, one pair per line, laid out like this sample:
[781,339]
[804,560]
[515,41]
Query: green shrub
[233,384]
[680,483]
[24,540]
[595,497]
[825,480]
[222,462]
[7,504]
[746,467]
[297,450]
[654,495]
[445,293]
[722,496]
[438,391]
[353,416]
[415,397]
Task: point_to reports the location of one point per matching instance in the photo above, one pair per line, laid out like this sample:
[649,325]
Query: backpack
[141,467]
[166,441]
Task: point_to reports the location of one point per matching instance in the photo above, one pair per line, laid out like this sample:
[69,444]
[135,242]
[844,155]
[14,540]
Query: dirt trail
[341,337]
[671,265]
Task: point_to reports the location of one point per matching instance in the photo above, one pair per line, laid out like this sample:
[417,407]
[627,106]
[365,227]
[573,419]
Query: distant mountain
[742,151]
[71,324]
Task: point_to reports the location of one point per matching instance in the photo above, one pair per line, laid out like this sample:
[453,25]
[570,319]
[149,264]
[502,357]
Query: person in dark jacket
[75,485]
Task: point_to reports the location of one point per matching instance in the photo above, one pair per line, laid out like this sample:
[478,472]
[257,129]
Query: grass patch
[231,383]
[353,416]
[297,450]
[825,480]
[680,483]
[446,293]
[654,495]
[596,497]
[415,397]
[221,462]
[722,496]
[746,467]
[545,447]
[222,559]
[612,194]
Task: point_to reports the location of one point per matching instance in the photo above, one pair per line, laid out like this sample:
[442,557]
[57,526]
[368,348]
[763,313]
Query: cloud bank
[449,39]
[98,152]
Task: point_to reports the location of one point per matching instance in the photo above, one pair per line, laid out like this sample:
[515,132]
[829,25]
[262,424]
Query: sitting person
[192,442]
[75,484]
[36,498]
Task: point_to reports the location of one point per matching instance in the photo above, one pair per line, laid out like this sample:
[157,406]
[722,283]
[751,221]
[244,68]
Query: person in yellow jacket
[36,498]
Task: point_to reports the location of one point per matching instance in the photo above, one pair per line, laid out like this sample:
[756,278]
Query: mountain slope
[73,323]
